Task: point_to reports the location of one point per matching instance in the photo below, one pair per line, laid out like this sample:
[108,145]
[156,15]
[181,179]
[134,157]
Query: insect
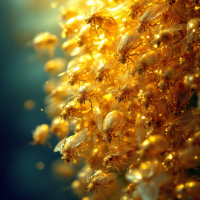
[71,26]
[105,69]
[69,147]
[55,66]
[189,190]
[72,110]
[59,128]
[180,120]
[130,189]
[148,177]
[180,95]
[170,35]
[193,25]
[46,41]
[153,146]
[86,92]
[100,180]
[41,135]
[129,88]
[144,22]
[96,155]
[112,122]
[119,156]
[101,20]
[147,62]
[126,45]
[78,74]
[172,73]
[136,7]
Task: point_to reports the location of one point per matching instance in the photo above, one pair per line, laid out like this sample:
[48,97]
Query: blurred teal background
[22,78]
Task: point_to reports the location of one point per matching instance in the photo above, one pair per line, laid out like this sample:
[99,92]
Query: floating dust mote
[127,94]
[29,105]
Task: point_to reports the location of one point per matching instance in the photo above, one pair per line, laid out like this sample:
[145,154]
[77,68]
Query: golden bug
[72,110]
[119,156]
[144,22]
[100,180]
[126,45]
[46,41]
[136,7]
[69,147]
[41,135]
[180,95]
[101,20]
[112,122]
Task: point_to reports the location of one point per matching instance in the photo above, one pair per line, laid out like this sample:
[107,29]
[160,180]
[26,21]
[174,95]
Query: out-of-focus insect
[59,128]
[86,92]
[147,62]
[125,91]
[151,14]
[136,7]
[150,95]
[153,146]
[41,135]
[55,66]
[180,120]
[105,69]
[71,47]
[119,156]
[101,20]
[79,74]
[69,147]
[96,155]
[172,73]
[127,44]
[130,189]
[170,35]
[149,177]
[100,180]
[112,122]
[189,190]
[180,95]
[73,110]
[46,41]
[71,26]
[193,25]
[67,13]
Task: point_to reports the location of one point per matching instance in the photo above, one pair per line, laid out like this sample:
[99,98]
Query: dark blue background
[22,78]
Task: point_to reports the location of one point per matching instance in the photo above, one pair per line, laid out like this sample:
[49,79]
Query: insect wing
[104,178]
[153,12]
[98,118]
[145,2]
[177,27]
[122,150]
[128,41]
[79,137]
[60,145]
[97,7]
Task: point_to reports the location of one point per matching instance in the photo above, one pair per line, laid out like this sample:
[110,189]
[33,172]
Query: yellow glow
[139,176]
[89,3]
[170,156]
[54,5]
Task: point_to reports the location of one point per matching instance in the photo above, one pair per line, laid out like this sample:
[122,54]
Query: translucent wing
[60,145]
[112,89]
[128,41]
[122,150]
[153,12]
[97,7]
[177,27]
[92,86]
[98,118]
[79,137]
[104,178]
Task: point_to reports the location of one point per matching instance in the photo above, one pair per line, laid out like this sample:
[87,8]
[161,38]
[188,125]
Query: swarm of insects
[135,107]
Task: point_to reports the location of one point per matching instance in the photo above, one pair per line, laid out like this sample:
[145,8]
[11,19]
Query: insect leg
[110,190]
[103,192]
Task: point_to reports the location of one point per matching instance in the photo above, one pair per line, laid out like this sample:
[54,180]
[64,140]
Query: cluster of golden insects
[131,93]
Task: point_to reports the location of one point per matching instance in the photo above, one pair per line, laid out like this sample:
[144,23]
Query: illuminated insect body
[69,147]
[136,7]
[149,16]
[129,42]
[180,96]
[41,135]
[101,20]
[100,180]
[119,156]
